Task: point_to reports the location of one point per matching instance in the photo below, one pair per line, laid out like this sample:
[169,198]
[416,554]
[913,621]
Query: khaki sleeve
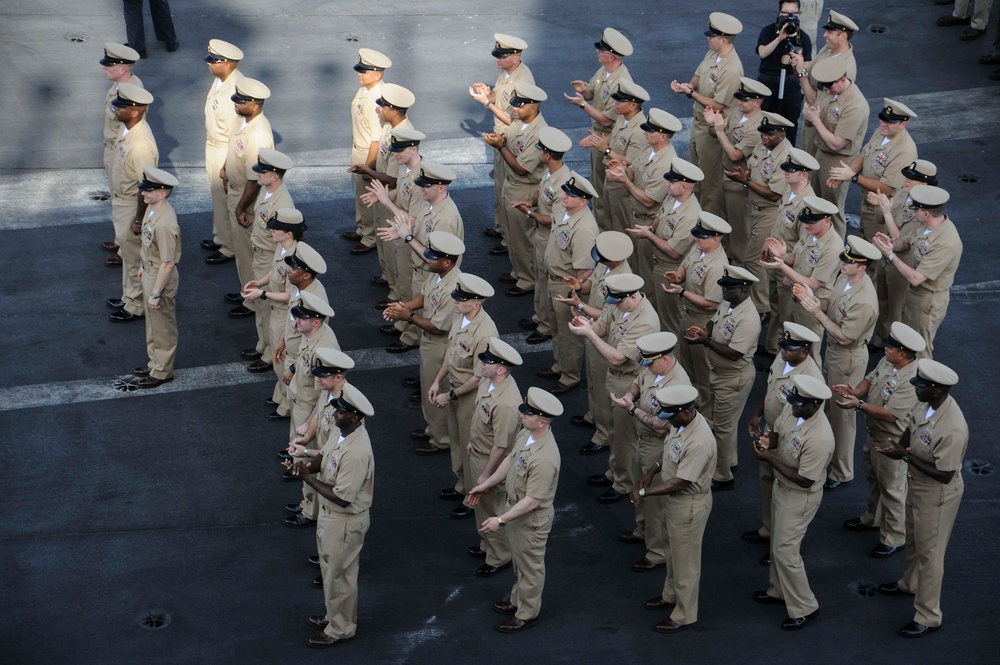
[583,242]
[745,335]
[859,318]
[729,82]
[166,242]
[506,423]
[351,473]
[814,458]
[949,448]
[901,402]
[937,259]
[692,463]
[542,477]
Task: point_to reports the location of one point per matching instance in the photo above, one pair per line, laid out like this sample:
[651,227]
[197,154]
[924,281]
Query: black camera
[793,25]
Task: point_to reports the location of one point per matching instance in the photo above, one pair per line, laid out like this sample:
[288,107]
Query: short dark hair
[797,3]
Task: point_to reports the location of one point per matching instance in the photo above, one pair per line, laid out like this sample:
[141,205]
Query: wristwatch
[854,178]
[583,103]
[642,491]
[579,308]
[408,239]
[860,405]
[746,184]
[607,151]
[452,395]
[500,521]
[681,294]
[263,295]
[631,411]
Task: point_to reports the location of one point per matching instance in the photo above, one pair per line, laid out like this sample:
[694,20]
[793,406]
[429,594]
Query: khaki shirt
[825,53]
[855,310]
[279,278]
[690,454]
[365,125]
[765,169]
[701,276]
[349,468]
[738,328]
[941,439]
[438,307]
[534,469]
[550,194]
[408,196]
[326,425]
[627,138]
[742,133]
[161,239]
[521,141]
[674,222]
[648,384]
[134,150]
[267,204]
[891,389]
[571,240]
[885,163]
[819,259]
[601,85]
[303,384]
[935,256]
[598,291]
[846,116]
[779,385]
[244,146]
[786,224]
[112,126]
[807,447]
[718,78]
[465,345]
[293,338]
[648,172]
[496,420]
[442,216]
[503,90]
[221,119]
[623,330]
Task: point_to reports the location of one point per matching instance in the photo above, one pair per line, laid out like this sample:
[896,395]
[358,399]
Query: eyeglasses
[788,14]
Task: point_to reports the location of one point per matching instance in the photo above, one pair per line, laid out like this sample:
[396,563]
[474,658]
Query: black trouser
[790,106]
[163,25]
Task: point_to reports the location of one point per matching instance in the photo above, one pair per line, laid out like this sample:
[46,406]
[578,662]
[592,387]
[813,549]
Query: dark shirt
[772,64]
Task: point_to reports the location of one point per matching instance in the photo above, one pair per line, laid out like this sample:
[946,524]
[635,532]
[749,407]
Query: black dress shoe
[990,59]
[537,337]
[288,477]
[411,382]
[491,232]
[399,346]
[504,607]
[378,280]
[875,349]
[486,570]
[318,582]
[831,485]
[271,403]
[559,388]
[284,454]
[754,537]
[629,538]
[258,366]
[611,496]
[798,622]
[599,480]
[855,524]
[516,291]
[669,626]
[351,235]
[592,449]
[141,371]
[293,508]
[428,448]
[763,597]
[382,304]
[172,46]
[299,521]
[914,629]
[499,250]
[110,246]
[124,316]
[461,512]
[723,485]
[314,560]
[152,382]
[218,258]
[507,277]
[546,373]
[449,493]
[113,261]
[882,551]
[513,624]
[233,298]
[416,396]
[528,324]
[657,603]
[580,421]
[765,560]
[115,303]
[360,249]
[210,245]
[476,552]
[251,354]
[274,415]
[388,329]
[892,589]
[644,565]
[240,312]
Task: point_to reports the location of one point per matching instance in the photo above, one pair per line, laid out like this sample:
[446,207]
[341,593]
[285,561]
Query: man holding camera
[775,45]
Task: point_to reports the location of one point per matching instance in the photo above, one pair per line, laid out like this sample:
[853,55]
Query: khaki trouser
[694,359]
[706,154]
[300,410]
[885,503]
[792,513]
[567,348]
[597,392]
[276,323]
[766,473]
[598,170]
[761,221]
[780,301]
[528,536]
[520,234]
[129,245]
[339,539]
[432,352]
[241,243]
[491,504]
[649,513]
[931,509]
[364,215]
[667,306]
[410,333]
[730,390]
[161,325]
[459,416]
[542,301]
[923,311]
[843,366]
[386,261]
[684,519]
[215,159]
[263,262]
[499,177]
[619,207]
[737,213]
[836,196]
[643,259]
[624,438]
[896,287]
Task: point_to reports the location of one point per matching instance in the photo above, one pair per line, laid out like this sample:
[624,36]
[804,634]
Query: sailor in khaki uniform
[543,209]
[507,51]
[221,122]
[737,134]
[117,62]
[933,448]
[731,338]
[849,320]
[240,180]
[879,167]
[620,147]
[569,261]
[454,387]
[799,449]
[518,147]
[886,397]
[813,261]
[611,251]
[311,315]
[684,477]
[270,168]
[159,255]
[935,249]
[645,185]
[796,168]
[660,370]
[531,473]
[615,335]
[669,236]
[793,360]
[495,423]
[594,97]
[365,135]
[714,82]
[343,475]
[839,119]
[135,149]
[696,285]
